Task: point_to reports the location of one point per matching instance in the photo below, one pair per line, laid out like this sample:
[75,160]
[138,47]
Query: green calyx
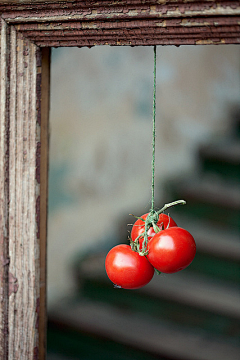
[150,221]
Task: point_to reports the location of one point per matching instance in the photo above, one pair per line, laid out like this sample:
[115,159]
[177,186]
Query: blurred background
[100,172]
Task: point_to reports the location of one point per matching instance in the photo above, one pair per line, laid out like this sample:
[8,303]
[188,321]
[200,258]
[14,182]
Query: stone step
[235,122]
[183,287]
[227,150]
[218,241]
[66,342]
[222,158]
[218,249]
[196,292]
[209,198]
[136,330]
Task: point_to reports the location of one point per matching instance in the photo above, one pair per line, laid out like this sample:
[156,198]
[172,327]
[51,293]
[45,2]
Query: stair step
[212,190]
[53,356]
[210,198]
[185,288]
[63,340]
[222,158]
[214,240]
[235,116]
[196,292]
[138,331]
[218,249]
[215,268]
[224,151]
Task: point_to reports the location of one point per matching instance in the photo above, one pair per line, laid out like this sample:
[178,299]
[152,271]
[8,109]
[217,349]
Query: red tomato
[164,221]
[127,269]
[171,250]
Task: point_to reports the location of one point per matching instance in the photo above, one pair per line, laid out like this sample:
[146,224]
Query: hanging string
[154,125]
[152,218]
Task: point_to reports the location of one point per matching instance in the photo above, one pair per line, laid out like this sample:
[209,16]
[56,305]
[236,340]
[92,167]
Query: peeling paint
[90,33]
[5,261]
[128,15]
[13,284]
[210,41]
[38,159]
[38,216]
[89,25]
[36,353]
[37,313]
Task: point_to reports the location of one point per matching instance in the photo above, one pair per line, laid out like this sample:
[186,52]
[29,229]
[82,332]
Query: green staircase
[193,314]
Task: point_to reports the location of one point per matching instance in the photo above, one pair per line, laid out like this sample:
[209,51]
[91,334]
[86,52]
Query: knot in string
[152,218]
[151,221]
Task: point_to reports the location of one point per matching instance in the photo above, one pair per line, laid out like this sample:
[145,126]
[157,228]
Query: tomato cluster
[169,249]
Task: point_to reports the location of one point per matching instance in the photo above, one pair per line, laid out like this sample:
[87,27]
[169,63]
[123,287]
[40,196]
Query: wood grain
[23,203]
[4,196]
[23,242]
[12,180]
[125,22]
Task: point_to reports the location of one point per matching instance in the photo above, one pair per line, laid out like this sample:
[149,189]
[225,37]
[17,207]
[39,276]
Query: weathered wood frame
[28,29]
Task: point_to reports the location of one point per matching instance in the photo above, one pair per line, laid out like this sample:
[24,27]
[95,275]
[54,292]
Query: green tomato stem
[166,206]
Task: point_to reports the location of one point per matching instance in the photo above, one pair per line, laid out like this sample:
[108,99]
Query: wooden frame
[28,29]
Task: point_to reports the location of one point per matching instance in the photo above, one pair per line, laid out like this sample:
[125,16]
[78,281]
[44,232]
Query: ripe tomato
[164,221]
[127,269]
[171,250]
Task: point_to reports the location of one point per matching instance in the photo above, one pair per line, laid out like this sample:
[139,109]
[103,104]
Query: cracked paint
[13,284]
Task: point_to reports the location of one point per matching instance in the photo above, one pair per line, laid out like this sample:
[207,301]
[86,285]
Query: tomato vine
[156,241]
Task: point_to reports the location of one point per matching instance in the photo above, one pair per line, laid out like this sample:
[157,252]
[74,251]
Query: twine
[154,124]
[153,215]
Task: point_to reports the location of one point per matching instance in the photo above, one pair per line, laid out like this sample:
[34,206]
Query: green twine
[153,213]
[154,125]
[152,217]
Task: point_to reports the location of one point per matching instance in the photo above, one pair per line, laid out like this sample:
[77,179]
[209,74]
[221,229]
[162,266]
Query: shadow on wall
[100,171]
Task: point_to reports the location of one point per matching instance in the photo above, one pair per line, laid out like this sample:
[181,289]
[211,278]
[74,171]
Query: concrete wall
[100,150]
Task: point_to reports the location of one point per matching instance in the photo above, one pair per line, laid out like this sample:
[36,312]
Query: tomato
[164,221]
[171,250]
[127,269]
